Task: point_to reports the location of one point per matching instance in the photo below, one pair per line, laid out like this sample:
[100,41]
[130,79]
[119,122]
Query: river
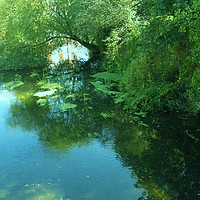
[91,149]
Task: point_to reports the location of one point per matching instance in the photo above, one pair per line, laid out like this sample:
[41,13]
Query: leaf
[108,76]
[102,87]
[141,114]
[51,86]
[121,97]
[107,115]
[13,84]
[45,93]
[48,86]
[66,106]
[70,96]
[41,102]
[34,74]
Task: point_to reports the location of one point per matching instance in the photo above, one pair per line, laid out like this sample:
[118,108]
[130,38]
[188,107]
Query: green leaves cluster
[153,45]
[23,26]
[156,53]
[106,82]
[17,82]
[13,84]
[30,30]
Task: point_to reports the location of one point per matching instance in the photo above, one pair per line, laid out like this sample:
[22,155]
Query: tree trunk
[95,50]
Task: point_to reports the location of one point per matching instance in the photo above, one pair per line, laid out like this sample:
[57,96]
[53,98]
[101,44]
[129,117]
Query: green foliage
[70,96]
[30,30]
[150,48]
[108,76]
[66,106]
[34,76]
[194,91]
[156,53]
[107,83]
[100,86]
[22,27]
[106,115]
[41,102]
[43,84]
[12,85]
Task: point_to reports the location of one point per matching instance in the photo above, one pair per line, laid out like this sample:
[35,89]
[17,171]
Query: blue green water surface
[80,146]
[31,170]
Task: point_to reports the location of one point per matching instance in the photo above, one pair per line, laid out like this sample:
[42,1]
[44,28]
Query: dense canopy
[154,45]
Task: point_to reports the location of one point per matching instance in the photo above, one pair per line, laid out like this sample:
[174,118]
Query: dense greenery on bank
[150,48]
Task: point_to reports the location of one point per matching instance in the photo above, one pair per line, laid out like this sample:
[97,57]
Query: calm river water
[93,150]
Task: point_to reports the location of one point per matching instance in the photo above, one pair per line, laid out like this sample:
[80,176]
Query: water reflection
[74,158]
[63,129]
[168,166]
[163,160]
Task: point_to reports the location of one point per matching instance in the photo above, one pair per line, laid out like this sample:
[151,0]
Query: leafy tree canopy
[32,29]
[153,45]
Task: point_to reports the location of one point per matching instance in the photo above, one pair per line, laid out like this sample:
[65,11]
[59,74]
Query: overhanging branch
[45,41]
[93,48]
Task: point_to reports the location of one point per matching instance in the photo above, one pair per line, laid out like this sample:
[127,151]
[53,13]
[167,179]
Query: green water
[94,151]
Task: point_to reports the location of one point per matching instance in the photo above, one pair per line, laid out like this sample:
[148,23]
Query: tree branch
[93,48]
[46,41]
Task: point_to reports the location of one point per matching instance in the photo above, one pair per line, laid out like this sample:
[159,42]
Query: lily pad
[45,93]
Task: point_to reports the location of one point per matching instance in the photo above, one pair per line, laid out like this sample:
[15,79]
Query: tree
[31,30]
[153,44]
[23,25]
[158,56]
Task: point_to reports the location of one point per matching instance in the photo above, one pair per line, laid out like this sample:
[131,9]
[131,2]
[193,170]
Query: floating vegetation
[38,192]
[45,93]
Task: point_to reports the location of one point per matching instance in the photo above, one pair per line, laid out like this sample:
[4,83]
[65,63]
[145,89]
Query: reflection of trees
[168,166]
[168,169]
[60,129]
